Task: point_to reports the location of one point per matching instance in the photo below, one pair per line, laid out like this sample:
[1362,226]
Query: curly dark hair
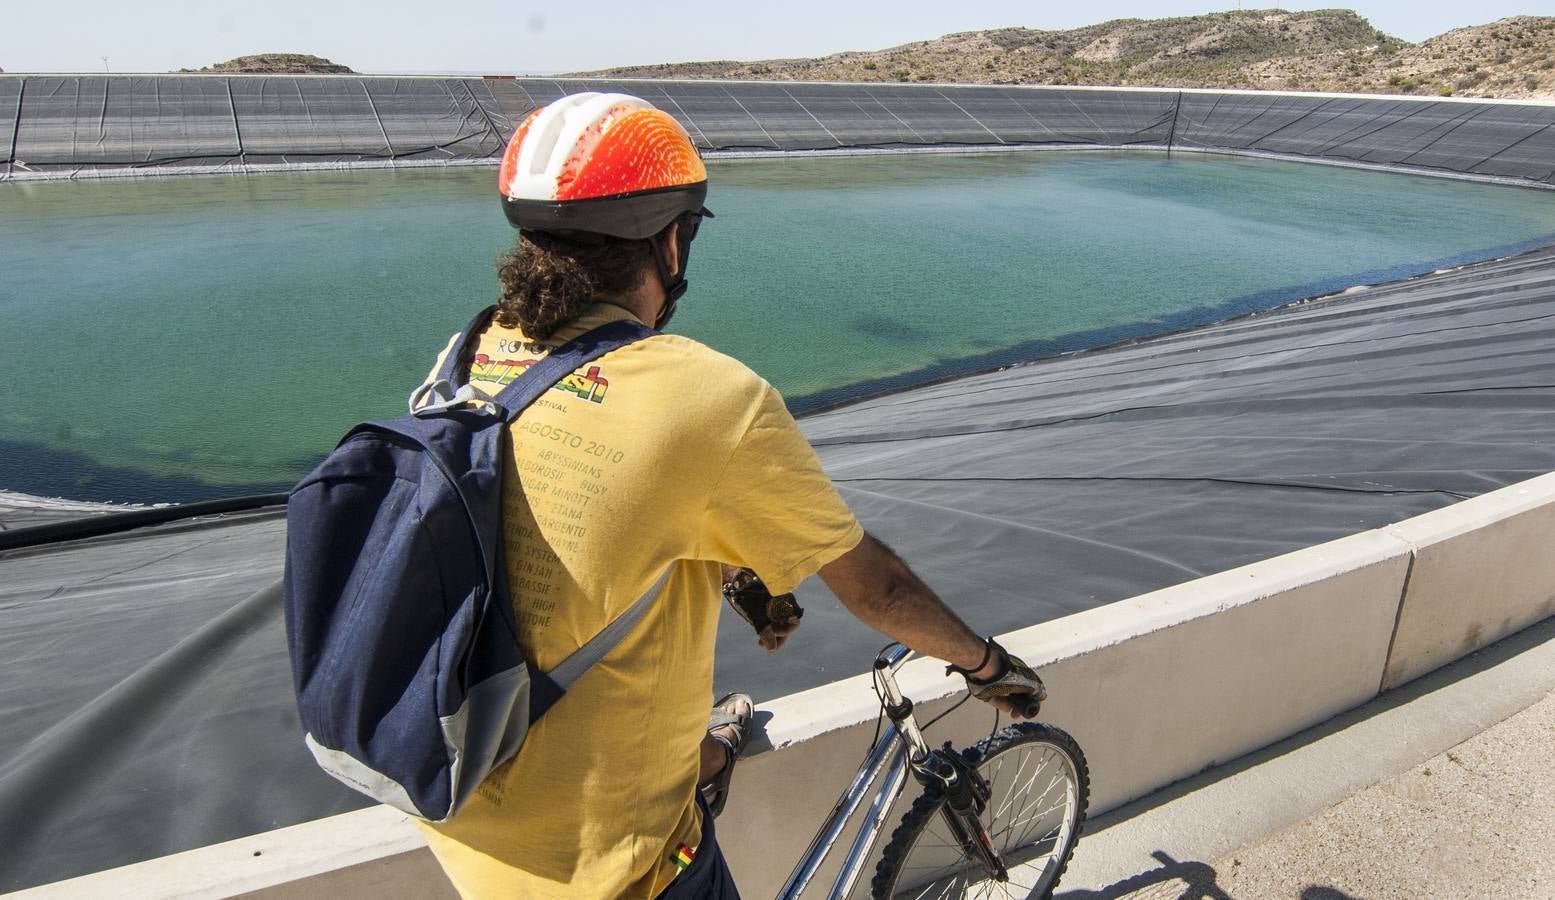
[548,279]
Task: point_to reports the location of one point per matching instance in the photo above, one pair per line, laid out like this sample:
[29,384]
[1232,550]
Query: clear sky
[521,36]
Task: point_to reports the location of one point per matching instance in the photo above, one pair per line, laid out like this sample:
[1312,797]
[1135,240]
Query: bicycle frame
[900,744]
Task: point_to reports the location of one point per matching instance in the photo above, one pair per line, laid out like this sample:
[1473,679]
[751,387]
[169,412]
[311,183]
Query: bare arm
[878,587]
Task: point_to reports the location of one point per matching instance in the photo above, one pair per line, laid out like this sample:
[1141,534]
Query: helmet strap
[674,285]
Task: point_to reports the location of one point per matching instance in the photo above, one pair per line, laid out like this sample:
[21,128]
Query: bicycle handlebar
[1028,709]
[894,656]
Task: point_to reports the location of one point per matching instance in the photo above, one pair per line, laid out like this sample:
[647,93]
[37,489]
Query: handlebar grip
[1028,705]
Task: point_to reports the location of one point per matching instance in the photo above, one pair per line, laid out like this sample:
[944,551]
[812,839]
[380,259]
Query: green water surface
[179,338]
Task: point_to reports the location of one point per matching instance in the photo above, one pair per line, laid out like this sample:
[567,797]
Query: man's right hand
[1016,689]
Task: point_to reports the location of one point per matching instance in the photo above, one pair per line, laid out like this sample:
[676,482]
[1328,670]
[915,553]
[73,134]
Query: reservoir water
[173,339]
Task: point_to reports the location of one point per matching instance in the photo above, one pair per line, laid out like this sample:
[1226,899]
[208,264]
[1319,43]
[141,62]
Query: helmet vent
[546,132]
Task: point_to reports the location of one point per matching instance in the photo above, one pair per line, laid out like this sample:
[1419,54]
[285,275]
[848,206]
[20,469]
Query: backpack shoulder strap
[560,363]
[546,688]
[442,388]
[549,687]
[461,348]
[599,646]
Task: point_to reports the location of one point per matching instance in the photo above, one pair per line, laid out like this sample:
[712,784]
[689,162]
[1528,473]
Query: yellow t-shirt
[661,455]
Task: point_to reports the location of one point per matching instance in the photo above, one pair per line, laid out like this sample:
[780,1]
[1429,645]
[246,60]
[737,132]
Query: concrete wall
[1481,571]
[1155,688]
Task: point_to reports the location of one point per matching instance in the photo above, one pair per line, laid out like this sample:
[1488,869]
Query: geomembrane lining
[144,682]
[76,125]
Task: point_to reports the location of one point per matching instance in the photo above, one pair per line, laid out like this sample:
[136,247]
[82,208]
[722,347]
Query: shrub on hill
[1322,50]
[277,63]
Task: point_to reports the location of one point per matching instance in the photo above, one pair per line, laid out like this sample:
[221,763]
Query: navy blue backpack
[411,683]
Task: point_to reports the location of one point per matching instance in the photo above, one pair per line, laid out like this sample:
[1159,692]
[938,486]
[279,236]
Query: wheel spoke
[1034,817]
[1011,795]
[1023,793]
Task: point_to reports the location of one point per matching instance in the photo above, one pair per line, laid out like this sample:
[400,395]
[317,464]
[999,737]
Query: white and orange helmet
[601,163]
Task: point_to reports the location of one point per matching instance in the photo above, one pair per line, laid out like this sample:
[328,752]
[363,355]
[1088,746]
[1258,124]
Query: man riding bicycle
[663,459]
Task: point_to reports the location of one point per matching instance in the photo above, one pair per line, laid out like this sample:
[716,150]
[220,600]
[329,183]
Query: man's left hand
[774,618]
[773,636]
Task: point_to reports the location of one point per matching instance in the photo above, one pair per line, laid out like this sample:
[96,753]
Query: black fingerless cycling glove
[756,605]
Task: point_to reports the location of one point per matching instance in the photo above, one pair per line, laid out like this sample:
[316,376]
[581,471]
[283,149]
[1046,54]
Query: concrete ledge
[1203,672]
[1482,571]
[1156,689]
[371,853]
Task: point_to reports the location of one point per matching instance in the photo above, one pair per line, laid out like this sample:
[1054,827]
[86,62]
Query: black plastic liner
[33,527]
[147,698]
[72,125]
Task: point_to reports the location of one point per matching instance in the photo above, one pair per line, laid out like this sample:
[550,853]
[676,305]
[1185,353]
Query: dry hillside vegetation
[278,63]
[1325,50]
[1512,58]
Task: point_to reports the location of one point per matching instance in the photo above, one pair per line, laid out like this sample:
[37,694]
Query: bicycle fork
[966,796]
[901,749]
[966,793]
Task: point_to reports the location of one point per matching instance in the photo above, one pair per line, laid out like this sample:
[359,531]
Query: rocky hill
[1511,58]
[1323,50]
[278,63]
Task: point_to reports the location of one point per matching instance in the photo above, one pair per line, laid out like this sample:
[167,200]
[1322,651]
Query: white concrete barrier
[1483,569]
[372,853]
[1155,688]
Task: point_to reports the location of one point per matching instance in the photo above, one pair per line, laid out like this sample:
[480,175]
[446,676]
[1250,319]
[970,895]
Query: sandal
[726,713]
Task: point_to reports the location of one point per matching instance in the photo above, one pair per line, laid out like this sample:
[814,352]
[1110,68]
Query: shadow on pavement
[1198,883]
[1197,879]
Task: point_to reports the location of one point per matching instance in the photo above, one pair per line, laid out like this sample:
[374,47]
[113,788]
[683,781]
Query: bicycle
[946,843]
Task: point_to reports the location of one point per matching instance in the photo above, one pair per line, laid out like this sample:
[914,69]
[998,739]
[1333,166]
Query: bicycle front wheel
[1038,790]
